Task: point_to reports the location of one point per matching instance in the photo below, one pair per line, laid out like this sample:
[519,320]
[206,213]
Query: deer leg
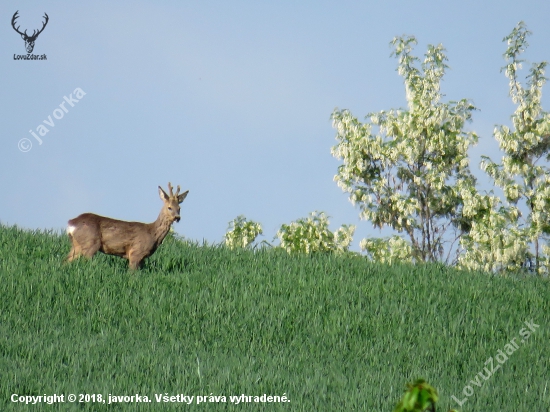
[91,248]
[135,264]
[75,252]
[135,259]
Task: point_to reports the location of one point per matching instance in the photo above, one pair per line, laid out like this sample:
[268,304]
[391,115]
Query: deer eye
[169,208]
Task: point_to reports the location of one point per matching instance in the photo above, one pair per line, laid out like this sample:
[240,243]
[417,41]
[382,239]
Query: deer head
[172,202]
[29,40]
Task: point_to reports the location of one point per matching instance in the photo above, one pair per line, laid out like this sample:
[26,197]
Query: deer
[29,40]
[135,241]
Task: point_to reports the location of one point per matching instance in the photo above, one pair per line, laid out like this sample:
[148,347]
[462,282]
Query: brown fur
[90,233]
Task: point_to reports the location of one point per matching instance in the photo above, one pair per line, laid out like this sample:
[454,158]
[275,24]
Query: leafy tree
[242,232]
[420,396]
[313,235]
[392,250]
[512,238]
[494,242]
[409,175]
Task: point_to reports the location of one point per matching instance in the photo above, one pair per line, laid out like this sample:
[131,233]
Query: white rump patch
[70,229]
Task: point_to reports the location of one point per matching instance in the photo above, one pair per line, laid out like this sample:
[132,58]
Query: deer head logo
[29,40]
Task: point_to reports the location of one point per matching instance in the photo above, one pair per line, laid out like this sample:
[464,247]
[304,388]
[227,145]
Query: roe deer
[134,241]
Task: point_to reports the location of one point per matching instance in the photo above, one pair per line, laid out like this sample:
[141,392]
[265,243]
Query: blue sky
[229,99]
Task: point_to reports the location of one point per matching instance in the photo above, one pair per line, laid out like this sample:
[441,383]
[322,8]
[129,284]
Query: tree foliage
[420,396]
[408,175]
[242,232]
[312,234]
[514,232]
[392,250]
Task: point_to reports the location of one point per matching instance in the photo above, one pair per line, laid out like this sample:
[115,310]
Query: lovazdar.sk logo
[29,39]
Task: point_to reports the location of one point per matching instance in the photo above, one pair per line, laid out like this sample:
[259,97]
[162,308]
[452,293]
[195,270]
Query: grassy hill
[331,333]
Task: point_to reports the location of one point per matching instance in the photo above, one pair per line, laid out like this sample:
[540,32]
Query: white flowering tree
[514,233]
[242,232]
[391,250]
[410,173]
[495,242]
[313,235]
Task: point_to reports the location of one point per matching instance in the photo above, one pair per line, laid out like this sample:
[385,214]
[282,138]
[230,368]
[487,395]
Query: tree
[312,234]
[420,396]
[391,250]
[410,174]
[494,243]
[242,232]
[514,239]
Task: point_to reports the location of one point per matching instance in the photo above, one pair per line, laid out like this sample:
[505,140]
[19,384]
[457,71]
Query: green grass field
[331,333]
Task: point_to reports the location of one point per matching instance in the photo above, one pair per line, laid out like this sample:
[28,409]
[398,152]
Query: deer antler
[43,26]
[171,191]
[34,33]
[15,16]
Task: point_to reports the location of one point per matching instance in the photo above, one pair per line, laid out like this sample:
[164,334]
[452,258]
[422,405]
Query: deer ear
[182,197]
[163,196]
